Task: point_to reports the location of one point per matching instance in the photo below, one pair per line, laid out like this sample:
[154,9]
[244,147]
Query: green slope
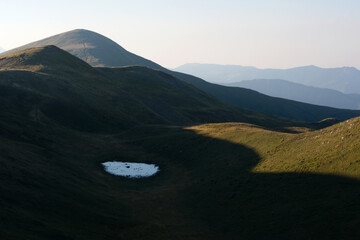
[45,58]
[63,88]
[229,181]
[98,50]
[251,183]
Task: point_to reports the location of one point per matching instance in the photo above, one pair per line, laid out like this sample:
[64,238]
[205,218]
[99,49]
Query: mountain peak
[94,48]
[43,58]
[80,30]
[82,33]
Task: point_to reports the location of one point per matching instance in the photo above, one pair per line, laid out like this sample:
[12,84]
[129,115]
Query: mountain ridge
[344,79]
[63,85]
[242,98]
[302,93]
[85,44]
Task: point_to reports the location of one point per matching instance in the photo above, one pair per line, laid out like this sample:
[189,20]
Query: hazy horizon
[262,68]
[263,34]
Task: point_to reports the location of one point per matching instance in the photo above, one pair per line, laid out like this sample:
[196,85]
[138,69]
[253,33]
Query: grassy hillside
[58,86]
[277,179]
[251,183]
[229,181]
[98,50]
[332,150]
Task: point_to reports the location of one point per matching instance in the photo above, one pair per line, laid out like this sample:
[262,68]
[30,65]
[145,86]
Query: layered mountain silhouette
[55,85]
[344,79]
[302,93]
[98,50]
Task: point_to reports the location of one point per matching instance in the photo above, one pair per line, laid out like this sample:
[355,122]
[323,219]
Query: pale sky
[260,33]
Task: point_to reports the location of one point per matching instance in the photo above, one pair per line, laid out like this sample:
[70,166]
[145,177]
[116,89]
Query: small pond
[130,169]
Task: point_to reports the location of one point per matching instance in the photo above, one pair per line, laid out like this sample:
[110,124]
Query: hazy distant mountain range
[2,50]
[98,50]
[344,79]
[301,93]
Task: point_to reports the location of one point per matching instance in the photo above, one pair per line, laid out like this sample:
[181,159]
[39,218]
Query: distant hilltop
[2,50]
[343,79]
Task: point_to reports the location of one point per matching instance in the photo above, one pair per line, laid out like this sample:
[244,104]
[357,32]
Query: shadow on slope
[219,189]
[57,189]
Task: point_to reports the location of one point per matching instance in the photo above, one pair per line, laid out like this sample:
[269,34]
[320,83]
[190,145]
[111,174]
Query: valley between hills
[226,171]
